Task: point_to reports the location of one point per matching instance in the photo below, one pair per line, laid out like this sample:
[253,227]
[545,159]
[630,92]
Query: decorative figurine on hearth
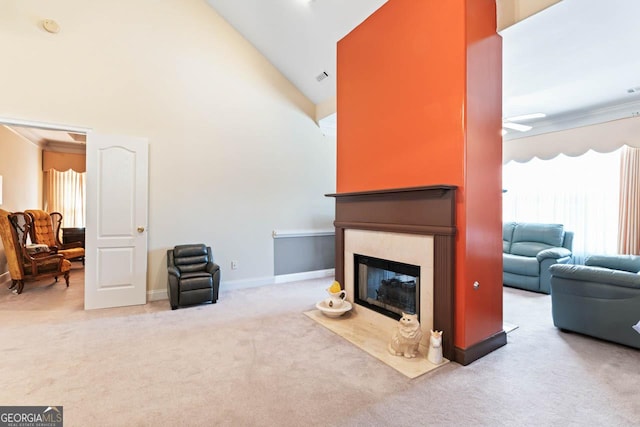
[336,305]
[336,295]
[406,339]
[434,355]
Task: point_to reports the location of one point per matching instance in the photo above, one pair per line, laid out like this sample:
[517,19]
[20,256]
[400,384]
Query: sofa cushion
[587,273]
[192,281]
[523,265]
[550,234]
[528,249]
[630,263]
[507,236]
[531,238]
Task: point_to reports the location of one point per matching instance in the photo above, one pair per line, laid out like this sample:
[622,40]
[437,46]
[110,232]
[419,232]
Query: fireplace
[386,286]
[410,226]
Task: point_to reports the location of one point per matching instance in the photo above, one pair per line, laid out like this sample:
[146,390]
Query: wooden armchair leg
[13,284]
[66,278]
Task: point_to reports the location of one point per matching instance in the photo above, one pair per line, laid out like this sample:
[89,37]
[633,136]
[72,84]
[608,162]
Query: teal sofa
[600,298]
[529,249]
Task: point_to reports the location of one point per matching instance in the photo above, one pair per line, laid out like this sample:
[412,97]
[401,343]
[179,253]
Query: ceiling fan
[510,122]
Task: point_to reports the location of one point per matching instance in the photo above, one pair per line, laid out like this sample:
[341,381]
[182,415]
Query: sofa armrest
[630,263]
[173,271]
[212,267]
[596,274]
[553,253]
[545,274]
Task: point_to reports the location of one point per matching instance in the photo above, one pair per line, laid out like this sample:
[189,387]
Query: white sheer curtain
[579,192]
[65,192]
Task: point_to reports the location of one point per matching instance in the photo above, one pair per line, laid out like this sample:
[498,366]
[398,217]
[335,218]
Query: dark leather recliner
[193,276]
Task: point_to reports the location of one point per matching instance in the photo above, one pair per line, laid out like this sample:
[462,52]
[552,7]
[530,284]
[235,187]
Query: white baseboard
[157,295]
[307,275]
[271,280]
[247,283]
[161,294]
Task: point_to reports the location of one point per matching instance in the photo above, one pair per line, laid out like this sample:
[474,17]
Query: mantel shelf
[437,189]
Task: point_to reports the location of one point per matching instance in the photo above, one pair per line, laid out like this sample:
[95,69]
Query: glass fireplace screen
[388,287]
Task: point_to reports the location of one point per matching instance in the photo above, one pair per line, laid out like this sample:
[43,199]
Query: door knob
[140,229]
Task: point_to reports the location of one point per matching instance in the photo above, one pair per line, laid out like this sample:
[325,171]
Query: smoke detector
[51,26]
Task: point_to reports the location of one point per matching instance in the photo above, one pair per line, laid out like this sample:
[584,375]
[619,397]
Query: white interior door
[116,226]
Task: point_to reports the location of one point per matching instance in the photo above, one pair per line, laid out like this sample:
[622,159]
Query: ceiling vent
[323,75]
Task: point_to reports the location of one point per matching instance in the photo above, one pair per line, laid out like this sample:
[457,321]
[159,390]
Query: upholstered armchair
[600,298]
[45,229]
[25,263]
[193,276]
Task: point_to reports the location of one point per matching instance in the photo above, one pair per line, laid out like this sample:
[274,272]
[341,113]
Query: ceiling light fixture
[509,122]
[526,117]
[517,126]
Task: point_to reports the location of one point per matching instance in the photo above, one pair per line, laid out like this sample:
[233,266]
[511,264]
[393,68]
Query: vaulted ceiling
[574,61]
[298,36]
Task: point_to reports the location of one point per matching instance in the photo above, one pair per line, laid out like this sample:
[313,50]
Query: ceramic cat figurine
[406,338]
[434,355]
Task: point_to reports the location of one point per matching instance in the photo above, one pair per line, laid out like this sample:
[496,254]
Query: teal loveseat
[600,298]
[529,249]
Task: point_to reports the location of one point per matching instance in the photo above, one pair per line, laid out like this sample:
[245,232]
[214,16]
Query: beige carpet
[509,327]
[254,359]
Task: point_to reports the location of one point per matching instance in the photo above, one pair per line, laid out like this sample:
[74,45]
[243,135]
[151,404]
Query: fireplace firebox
[387,286]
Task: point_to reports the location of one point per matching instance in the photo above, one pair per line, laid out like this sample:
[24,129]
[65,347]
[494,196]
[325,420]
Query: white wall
[21,180]
[234,150]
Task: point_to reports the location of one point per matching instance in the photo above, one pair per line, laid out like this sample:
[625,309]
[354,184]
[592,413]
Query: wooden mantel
[428,210]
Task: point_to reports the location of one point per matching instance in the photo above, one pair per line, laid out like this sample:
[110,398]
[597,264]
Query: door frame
[43,125]
[11,121]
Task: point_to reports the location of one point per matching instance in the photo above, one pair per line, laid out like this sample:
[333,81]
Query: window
[580,192]
[64,192]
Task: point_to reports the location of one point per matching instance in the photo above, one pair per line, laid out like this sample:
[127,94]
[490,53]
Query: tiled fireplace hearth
[408,225]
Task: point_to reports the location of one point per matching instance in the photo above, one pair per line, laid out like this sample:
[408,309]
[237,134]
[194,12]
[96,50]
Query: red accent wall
[420,103]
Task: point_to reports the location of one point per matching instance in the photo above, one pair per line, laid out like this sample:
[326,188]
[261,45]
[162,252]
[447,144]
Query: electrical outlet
[234,265]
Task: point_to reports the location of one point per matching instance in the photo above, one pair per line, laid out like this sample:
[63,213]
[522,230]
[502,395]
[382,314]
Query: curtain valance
[603,138]
[63,161]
